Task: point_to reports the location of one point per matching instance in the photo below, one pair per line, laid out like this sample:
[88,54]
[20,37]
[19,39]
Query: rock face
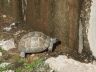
[63,64]
[84,46]
[92,29]
[7,44]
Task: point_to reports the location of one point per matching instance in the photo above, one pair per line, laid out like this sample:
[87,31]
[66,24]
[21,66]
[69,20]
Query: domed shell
[34,42]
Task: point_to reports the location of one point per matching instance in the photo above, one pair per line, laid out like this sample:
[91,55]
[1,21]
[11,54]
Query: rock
[7,44]
[56,64]
[19,32]
[0,54]
[64,64]
[92,28]
[43,68]
[4,16]
[2,65]
[9,71]
[7,28]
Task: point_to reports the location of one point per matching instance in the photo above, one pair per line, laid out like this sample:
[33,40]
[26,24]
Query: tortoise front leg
[50,48]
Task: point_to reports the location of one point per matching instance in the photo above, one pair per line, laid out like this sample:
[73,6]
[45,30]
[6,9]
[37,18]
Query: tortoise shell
[34,42]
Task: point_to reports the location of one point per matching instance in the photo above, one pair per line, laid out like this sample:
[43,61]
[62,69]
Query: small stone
[7,44]
[4,64]
[19,32]
[4,16]
[7,28]
[13,24]
[9,71]
[0,54]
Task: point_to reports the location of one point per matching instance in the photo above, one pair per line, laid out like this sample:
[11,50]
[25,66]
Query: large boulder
[64,64]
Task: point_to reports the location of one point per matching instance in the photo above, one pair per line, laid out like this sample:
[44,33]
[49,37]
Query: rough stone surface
[0,54]
[34,42]
[64,64]
[7,44]
[92,28]
[9,71]
[84,47]
[4,64]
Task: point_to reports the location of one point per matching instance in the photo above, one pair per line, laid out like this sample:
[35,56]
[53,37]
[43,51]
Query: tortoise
[35,42]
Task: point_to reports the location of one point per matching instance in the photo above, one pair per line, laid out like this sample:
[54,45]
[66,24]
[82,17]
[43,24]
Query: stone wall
[92,28]
[56,18]
[84,24]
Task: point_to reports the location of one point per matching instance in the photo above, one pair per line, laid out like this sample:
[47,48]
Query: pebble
[9,71]
[7,44]
[0,54]
[4,64]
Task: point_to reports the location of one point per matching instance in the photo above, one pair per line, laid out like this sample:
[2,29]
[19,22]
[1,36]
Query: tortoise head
[54,40]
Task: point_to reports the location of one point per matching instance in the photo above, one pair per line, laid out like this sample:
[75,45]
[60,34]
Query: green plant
[4,68]
[1,50]
[22,66]
[35,64]
[30,67]
[18,69]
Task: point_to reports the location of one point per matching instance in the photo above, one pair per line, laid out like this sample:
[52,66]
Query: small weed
[4,68]
[18,70]
[30,67]
[34,64]
[22,66]
[1,50]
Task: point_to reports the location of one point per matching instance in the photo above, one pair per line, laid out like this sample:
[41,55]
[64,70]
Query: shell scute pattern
[34,42]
